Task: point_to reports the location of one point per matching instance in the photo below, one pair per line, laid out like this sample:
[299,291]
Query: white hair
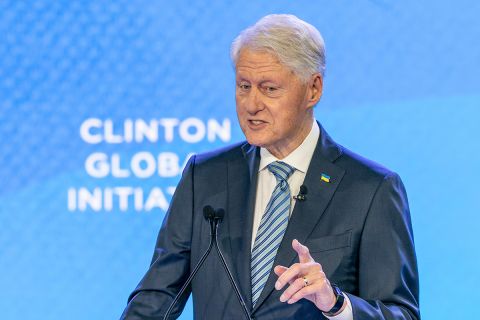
[297,44]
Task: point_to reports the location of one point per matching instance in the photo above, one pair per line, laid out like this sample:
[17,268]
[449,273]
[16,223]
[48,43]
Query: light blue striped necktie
[272,228]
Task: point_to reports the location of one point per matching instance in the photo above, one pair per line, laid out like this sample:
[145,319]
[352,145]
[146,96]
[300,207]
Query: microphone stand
[209,214]
[214,217]
[218,218]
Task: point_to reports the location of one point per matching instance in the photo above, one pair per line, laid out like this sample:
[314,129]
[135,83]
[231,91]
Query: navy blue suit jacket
[357,226]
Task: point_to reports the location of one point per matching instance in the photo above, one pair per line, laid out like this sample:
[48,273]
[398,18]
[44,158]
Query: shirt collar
[300,157]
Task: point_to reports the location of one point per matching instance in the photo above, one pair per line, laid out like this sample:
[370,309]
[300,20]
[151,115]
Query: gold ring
[305,282]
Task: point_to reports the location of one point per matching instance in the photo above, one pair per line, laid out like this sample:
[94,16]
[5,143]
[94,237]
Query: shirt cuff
[346,314]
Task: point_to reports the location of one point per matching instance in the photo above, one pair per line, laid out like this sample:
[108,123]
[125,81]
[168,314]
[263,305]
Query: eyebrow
[263,81]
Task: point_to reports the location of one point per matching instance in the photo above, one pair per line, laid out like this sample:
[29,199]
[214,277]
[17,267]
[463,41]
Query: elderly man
[311,230]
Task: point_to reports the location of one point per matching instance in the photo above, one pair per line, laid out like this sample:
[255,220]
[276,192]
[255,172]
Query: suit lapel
[307,214]
[242,178]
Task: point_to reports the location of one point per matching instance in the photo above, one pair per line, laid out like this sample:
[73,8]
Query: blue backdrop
[101,102]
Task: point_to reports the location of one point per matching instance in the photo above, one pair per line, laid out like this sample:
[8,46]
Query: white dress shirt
[299,159]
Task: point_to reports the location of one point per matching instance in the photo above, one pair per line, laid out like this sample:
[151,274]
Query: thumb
[302,251]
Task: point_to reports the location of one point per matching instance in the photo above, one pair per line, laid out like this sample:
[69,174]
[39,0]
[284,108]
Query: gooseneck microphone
[219,216]
[209,214]
[214,217]
[302,194]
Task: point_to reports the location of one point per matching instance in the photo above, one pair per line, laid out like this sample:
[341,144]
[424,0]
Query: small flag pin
[325,178]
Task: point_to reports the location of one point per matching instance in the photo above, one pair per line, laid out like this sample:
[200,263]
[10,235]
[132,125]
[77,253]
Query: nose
[254,102]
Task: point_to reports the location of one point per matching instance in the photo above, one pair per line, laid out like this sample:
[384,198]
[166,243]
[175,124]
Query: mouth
[256,122]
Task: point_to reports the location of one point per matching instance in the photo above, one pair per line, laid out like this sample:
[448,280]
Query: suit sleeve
[170,264]
[388,276]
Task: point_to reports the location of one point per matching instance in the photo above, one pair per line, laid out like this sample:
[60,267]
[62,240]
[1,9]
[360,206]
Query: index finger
[302,251]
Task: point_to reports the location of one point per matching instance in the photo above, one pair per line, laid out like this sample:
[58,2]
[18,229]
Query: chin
[258,138]
[257,141]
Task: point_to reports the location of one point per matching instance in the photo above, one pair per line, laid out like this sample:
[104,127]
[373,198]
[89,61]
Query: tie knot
[281,170]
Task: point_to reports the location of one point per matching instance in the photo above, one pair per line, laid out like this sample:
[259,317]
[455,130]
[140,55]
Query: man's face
[274,107]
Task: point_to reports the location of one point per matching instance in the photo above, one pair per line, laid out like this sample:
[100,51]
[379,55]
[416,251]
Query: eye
[271,89]
[243,86]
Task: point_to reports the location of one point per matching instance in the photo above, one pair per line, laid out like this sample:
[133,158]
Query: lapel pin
[325,178]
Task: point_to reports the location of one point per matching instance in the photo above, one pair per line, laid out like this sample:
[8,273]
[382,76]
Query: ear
[315,89]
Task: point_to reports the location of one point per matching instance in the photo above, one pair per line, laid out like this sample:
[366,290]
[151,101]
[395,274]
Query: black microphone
[209,214]
[214,217]
[218,218]
[302,194]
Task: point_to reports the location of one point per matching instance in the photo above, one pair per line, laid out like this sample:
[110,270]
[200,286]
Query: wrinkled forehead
[260,63]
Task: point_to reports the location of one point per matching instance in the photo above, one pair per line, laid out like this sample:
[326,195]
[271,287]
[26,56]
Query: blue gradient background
[401,88]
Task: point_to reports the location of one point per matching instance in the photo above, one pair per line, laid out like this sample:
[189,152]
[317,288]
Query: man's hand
[306,279]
